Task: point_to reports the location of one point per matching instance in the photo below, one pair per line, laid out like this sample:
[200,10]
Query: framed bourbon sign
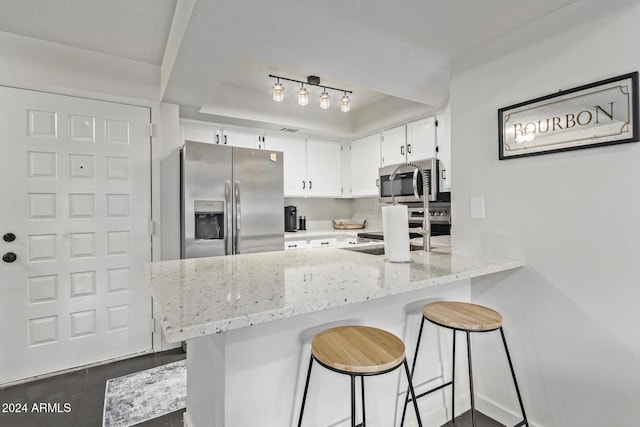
[597,114]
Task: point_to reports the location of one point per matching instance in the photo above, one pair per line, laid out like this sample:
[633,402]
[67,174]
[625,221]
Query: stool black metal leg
[453,378]
[306,388]
[473,406]
[513,375]
[353,401]
[413,370]
[364,413]
[413,394]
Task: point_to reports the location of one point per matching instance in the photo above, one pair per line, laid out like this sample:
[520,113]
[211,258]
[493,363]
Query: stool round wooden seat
[463,316]
[358,351]
[468,318]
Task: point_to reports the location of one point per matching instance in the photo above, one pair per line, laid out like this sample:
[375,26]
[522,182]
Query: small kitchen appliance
[290,218]
[407,186]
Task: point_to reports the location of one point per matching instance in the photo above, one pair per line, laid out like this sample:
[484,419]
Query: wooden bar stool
[358,351]
[465,317]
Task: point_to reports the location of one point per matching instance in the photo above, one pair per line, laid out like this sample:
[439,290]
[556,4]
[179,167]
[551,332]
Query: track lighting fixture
[303,93]
[345,103]
[325,101]
[303,96]
[278,91]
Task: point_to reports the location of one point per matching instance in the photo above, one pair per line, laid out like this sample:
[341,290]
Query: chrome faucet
[426,226]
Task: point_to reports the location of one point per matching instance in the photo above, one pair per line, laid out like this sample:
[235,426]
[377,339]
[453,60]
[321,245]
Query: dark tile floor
[83,390]
[464,420]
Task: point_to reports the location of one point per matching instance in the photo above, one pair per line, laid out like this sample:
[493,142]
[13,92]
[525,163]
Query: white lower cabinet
[349,241]
[323,243]
[290,245]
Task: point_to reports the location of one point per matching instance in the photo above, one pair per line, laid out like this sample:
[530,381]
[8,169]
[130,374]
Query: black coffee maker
[290,218]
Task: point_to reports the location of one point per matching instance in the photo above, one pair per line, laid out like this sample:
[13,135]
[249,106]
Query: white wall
[572,314]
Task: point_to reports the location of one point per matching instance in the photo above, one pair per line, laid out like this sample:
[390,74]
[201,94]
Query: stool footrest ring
[440,387]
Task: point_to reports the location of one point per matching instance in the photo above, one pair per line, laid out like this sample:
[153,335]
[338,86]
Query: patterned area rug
[145,395]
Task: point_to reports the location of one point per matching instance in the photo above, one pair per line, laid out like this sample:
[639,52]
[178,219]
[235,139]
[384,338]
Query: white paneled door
[74,234]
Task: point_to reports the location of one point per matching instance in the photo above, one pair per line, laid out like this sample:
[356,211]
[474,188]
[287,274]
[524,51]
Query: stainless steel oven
[407,186]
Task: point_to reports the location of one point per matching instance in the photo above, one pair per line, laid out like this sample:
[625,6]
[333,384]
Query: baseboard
[441,415]
[500,413]
[187,420]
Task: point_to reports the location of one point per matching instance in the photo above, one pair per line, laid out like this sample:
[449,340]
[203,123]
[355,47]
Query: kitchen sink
[377,250]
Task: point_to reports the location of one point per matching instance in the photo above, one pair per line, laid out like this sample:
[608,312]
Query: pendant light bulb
[345,103]
[325,100]
[278,92]
[303,96]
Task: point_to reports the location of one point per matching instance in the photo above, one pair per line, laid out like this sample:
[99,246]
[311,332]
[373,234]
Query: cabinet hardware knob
[304,185]
[9,237]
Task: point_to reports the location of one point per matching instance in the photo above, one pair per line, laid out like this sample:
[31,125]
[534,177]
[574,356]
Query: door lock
[9,257]
[9,237]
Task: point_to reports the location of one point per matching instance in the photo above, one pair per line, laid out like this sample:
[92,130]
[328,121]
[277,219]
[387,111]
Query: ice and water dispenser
[209,219]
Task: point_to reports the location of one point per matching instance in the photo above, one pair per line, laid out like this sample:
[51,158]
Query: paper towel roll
[395,227]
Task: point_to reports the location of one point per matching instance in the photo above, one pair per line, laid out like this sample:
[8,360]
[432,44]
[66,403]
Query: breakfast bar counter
[248,320]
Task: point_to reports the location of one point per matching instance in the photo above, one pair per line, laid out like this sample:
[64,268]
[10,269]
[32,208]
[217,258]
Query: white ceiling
[395,56]
[132,29]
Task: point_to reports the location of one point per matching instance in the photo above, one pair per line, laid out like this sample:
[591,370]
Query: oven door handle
[415,183]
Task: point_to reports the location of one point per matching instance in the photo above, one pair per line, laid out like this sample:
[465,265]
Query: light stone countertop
[203,296]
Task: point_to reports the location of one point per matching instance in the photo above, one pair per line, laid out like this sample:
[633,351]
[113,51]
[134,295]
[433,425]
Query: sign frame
[577,127]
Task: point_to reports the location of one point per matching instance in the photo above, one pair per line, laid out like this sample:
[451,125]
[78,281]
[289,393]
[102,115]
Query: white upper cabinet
[312,168]
[364,160]
[241,138]
[295,162]
[421,139]
[216,134]
[393,145]
[200,132]
[415,141]
[444,148]
[324,168]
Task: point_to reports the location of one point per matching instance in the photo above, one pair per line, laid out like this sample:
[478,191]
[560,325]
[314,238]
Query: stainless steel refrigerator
[231,200]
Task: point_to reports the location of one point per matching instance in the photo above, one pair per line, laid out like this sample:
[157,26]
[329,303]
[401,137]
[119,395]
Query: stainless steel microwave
[407,185]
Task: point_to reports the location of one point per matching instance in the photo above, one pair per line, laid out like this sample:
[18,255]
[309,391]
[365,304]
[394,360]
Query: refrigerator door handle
[228,220]
[237,231]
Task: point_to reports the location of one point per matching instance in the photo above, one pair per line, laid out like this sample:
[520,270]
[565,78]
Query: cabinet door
[365,162]
[324,243]
[392,146]
[200,132]
[290,245]
[324,168]
[443,132]
[421,139]
[239,138]
[295,163]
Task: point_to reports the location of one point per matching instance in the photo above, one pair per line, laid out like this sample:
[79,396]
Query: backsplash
[320,212]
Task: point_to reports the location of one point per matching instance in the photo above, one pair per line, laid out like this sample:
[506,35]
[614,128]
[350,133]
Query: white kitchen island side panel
[260,371]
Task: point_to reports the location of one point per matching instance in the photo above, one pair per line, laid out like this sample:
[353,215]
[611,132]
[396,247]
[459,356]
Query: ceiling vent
[288,130]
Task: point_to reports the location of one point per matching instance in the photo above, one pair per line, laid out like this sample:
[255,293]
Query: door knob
[9,237]
[9,257]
